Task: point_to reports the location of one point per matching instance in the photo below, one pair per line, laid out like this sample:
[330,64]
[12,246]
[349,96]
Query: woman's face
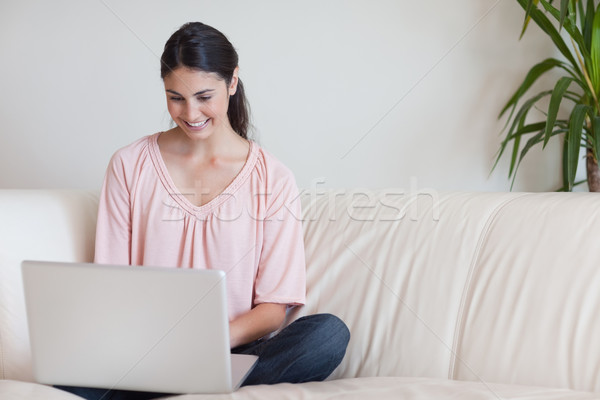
[198,101]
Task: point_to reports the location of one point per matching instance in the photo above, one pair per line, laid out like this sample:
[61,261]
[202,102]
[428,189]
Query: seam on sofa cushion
[2,372]
[460,317]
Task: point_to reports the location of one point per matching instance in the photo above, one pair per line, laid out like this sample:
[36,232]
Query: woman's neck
[223,143]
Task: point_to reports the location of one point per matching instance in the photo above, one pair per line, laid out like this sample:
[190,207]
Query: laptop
[133,328]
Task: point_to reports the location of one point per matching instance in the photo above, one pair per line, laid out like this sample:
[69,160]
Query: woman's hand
[256,323]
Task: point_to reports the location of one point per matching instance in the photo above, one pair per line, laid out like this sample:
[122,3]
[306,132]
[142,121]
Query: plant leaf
[518,135]
[534,73]
[563,189]
[539,138]
[515,152]
[544,23]
[528,146]
[530,5]
[587,25]
[564,5]
[594,65]
[574,140]
[535,127]
[570,27]
[530,143]
[524,110]
[565,163]
[596,135]
[572,12]
[521,114]
[557,94]
[581,12]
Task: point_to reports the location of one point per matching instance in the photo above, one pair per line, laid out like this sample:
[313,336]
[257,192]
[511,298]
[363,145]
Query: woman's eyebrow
[195,94]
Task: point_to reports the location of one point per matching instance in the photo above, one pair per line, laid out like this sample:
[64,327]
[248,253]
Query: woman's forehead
[192,80]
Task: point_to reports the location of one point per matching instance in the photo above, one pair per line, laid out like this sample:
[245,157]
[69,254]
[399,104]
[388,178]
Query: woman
[202,195]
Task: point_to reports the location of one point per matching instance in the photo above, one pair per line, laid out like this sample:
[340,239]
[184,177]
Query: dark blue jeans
[309,349]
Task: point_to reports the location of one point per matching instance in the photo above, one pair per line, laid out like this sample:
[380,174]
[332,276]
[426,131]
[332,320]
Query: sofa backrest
[492,287]
[532,304]
[497,287]
[394,266]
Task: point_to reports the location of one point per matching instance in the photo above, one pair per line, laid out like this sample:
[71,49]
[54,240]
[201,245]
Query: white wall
[354,93]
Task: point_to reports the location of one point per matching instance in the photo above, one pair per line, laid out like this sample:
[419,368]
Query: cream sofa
[447,295]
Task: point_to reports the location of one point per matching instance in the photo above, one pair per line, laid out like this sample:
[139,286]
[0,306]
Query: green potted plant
[576,91]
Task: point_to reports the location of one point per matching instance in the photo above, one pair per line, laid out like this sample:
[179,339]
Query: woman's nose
[193,112]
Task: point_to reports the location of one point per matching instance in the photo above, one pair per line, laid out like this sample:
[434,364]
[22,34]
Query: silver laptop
[133,328]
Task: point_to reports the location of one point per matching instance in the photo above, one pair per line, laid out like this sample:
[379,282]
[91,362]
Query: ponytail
[238,111]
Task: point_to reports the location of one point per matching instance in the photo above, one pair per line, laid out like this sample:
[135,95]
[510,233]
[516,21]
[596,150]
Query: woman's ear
[234,81]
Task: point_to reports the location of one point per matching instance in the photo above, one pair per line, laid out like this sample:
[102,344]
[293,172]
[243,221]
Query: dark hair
[202,47]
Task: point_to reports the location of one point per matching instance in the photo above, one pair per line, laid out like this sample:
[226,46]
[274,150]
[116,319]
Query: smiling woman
[193,110]
[205,49]
[168,199]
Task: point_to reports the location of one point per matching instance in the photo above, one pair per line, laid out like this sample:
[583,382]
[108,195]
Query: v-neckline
[177,196]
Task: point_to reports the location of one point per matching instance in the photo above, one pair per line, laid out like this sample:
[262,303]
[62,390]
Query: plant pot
[593,172]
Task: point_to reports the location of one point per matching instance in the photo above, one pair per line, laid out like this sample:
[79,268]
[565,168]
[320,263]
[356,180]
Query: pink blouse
[252,231]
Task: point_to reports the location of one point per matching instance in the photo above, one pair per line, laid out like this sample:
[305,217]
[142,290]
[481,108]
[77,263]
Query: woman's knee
[309,349]
[329,333]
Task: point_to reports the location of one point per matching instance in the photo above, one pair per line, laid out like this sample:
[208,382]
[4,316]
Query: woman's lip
[200,126]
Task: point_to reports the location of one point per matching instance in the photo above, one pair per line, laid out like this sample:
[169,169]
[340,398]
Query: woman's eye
[205,98]
[176,98]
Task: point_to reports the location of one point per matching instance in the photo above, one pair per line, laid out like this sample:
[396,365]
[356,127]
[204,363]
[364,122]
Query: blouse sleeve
[113,229]
[281,276]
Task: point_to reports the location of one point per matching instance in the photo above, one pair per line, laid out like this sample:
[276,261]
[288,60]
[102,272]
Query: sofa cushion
[54,225]
[16,390]
[380,388]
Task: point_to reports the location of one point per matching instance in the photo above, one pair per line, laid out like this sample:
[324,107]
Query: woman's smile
[198,102]
[198,125]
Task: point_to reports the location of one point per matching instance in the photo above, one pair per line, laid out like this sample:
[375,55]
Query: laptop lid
[132,328]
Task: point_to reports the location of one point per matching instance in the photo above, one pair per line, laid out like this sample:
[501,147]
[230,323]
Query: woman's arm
[280,280]
[256,323]
[113,228]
